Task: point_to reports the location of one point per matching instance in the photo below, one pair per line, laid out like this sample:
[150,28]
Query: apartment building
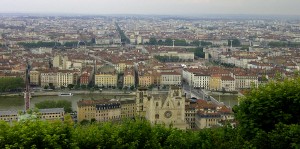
[108,111]
[45,114]
[188,75]
[48,77]
[128,108]
[190,113]
[106,80]
[207,114]
[170,78]
[201,80]
[227,83]
[245,81]
[60,62]
[105,110]
[129,78]
[64,78]
[215,82]
[35,78]
[52,114]
[145,79]
[85,78]
[120,67]
[198,78]
[186,56]
[8,116]
[57,78]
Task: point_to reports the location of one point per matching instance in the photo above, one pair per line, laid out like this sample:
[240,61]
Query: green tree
[11,84]
[71,44]
[83,86]
[51,86]
[77,86]
[132,87]
[265,107]
[168,42]
[67,105]
[152,41]
[235,43]
[70,86]
[125,88]
[39,44]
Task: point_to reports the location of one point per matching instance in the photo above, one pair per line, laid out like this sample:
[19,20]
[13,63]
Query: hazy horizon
[153,7]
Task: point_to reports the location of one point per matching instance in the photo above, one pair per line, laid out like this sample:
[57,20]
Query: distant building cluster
[226,55]
[168,108]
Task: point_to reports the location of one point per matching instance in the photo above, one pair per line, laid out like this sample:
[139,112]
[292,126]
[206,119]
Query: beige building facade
[106,80]
[35,78]
[163,109]
[129,78]
[103,110]
[58,79]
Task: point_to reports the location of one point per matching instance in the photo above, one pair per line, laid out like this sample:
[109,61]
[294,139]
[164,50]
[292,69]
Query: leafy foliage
[284,44]
[39,44]
[67,105]
[167,58]
[200,43]
[235,42]
[198,52]
[11,84]
[136,133]
[167,42]
[71,44]
[264,108]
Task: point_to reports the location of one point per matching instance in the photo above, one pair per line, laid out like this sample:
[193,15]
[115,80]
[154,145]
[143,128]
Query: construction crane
[27,93]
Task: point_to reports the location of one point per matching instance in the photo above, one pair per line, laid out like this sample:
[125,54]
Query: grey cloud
[153,6]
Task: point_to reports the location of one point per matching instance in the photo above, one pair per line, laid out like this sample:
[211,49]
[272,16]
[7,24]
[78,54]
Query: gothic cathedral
[162,108]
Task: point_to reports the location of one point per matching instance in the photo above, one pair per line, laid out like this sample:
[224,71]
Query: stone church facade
[158,108]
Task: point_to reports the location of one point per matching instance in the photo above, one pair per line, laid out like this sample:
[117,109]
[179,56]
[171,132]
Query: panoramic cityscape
[132,75]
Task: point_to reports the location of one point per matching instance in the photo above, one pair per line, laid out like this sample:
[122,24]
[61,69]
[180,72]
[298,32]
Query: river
[17,102]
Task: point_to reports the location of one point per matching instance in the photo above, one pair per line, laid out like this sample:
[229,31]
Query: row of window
[54,116]
[109,118]
[7,115]
[7,118]
[190,114]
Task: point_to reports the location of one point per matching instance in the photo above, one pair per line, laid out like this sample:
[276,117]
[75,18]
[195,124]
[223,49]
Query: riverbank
[56,93]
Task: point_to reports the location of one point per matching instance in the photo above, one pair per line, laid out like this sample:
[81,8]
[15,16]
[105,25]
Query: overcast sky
[169,7]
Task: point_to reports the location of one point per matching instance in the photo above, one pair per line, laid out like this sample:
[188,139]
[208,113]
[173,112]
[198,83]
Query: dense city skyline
[168,7]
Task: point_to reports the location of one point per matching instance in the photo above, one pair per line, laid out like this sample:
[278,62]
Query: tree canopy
[132,133]
[264,111]
[11,84]
[67,105]
[235,43]
[39,44]
[279,44]
[198,52]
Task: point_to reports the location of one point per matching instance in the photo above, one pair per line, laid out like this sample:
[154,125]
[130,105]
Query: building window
[156,116]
